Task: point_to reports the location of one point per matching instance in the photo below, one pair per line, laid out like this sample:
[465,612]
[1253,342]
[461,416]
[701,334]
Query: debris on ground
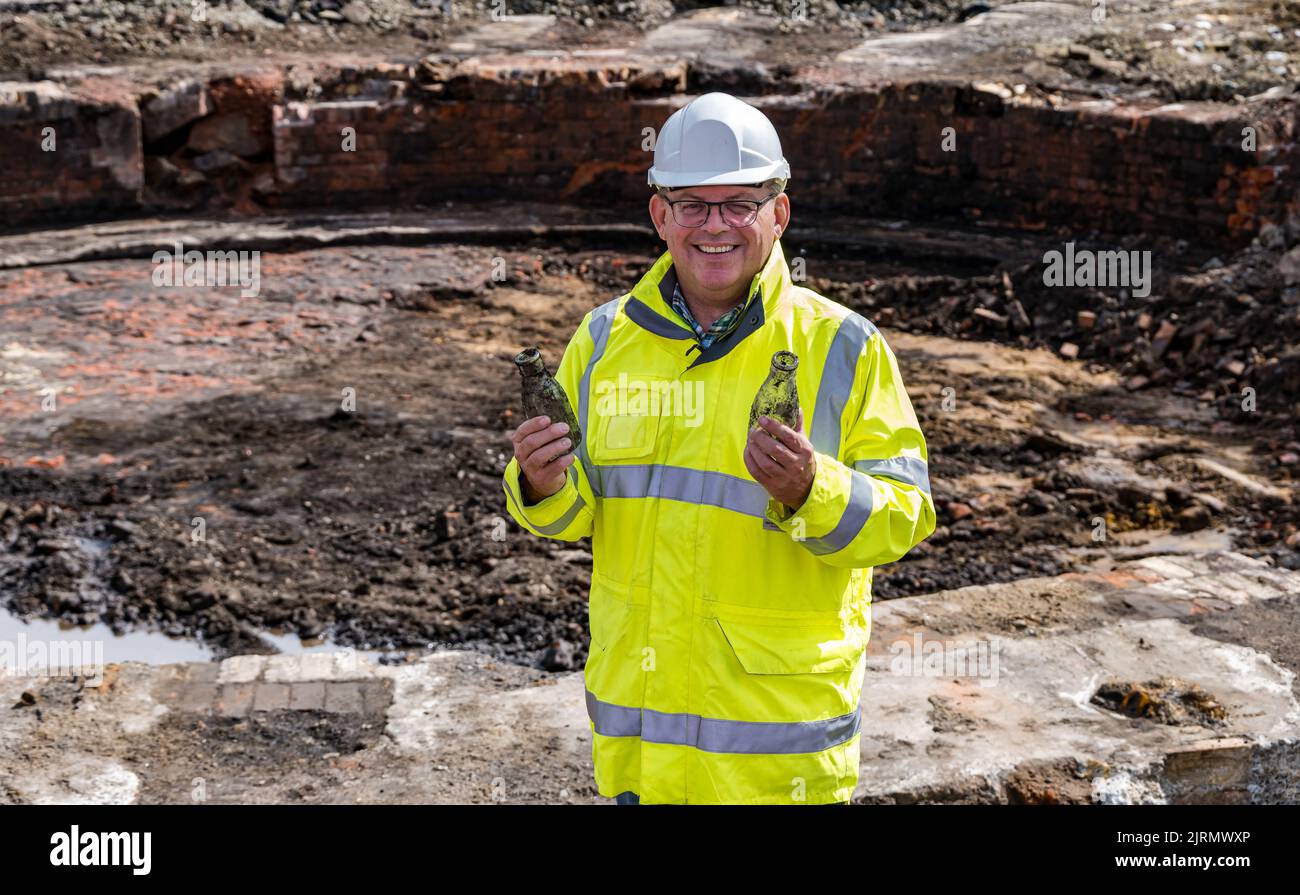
[1166,700]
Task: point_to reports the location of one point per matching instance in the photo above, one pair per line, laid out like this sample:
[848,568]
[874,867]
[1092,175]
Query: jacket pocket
[795,649]
[627,419]
[609,610]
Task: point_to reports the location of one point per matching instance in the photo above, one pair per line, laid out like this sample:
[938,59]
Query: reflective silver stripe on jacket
[602,319]
[698,486]
[718,735]
[855,515]
[559,525]
[909,470]
[837,382]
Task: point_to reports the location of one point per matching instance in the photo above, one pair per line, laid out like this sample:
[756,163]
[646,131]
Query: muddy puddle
[98,642]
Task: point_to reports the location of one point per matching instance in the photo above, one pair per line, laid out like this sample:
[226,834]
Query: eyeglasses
[735,212]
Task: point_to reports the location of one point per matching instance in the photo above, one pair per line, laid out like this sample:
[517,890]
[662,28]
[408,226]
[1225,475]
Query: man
[731,588]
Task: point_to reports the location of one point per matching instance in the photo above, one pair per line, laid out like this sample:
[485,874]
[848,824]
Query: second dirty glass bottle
[778,397]
[543,396]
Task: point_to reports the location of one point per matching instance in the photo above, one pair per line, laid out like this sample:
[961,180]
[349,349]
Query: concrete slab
[949,738]
[509,32]
[704,32]
[982,694]
[957,44]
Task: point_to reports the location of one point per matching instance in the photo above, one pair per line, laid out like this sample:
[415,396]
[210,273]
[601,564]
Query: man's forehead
[717,192]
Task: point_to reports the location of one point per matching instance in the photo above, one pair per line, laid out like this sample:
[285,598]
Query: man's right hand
[543,455]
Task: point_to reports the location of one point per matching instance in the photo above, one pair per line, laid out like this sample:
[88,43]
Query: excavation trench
[382,528]
[199,433]
[200,472]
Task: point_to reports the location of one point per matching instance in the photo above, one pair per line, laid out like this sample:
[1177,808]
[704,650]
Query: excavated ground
[1075,433]
[383,527]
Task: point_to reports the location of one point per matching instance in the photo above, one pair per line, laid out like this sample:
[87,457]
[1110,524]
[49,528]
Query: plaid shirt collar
[720,327]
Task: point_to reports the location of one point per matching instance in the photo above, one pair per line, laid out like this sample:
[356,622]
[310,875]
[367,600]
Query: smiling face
[716,261]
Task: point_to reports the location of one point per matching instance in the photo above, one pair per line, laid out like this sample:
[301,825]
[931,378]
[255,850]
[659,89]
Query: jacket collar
[650,305]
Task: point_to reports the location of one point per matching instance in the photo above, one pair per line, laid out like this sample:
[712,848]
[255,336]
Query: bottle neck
[784,364]
[532,369]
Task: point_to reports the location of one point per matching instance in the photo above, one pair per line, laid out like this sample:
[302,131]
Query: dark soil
[384,526]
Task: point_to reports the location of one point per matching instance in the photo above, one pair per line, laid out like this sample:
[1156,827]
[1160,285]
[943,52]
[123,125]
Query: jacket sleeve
[876,505]
[568,514]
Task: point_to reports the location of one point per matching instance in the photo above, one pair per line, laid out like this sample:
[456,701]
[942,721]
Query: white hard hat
[717,139]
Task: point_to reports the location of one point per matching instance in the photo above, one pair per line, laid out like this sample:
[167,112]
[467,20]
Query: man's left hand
[782,460]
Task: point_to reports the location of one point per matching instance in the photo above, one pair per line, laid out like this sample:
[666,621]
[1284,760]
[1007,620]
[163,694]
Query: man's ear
[657,214]
[782,213]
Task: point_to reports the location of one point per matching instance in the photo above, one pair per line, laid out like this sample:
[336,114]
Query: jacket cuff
[827,499]
[549,509]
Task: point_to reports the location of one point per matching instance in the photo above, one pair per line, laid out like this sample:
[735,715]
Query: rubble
[1206,710]
[1208,335]
[1167,700]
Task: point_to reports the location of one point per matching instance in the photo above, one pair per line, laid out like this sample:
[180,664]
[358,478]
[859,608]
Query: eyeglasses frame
[708,213]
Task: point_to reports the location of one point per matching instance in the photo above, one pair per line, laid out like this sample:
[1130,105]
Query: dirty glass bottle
[543,396]
[778,397]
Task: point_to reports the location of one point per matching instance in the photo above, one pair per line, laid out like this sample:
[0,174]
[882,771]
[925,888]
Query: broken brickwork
[578,132]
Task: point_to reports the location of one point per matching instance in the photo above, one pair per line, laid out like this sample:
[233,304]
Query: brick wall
[573,132]
[539,133]
[66,155]
[1019,161]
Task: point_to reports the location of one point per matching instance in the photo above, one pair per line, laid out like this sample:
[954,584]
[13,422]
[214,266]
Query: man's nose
[720,226]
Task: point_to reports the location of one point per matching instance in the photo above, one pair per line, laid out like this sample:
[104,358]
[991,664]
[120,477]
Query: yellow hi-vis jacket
[728,635]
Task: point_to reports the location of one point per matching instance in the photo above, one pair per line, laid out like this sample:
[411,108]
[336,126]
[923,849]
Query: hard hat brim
[744,176]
